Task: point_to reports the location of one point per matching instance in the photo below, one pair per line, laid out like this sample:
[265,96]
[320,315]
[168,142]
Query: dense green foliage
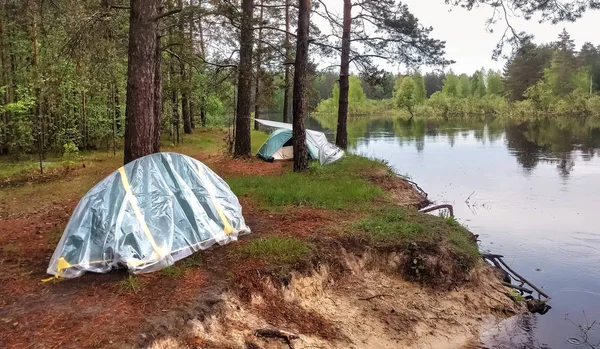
[64,71]
[538,81]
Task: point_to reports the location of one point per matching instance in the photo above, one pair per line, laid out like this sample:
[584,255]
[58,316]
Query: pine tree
[564,66]
[525,68]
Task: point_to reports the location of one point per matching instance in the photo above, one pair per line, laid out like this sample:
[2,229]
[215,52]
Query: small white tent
[279,146]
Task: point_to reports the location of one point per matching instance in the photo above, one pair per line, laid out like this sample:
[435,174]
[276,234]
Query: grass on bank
[275,249]
[340,186]
[397,224]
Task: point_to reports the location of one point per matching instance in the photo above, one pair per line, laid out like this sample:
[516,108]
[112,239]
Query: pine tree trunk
[286,90]
[37,109]
[203,112]
[117,107]
[140,136]
[84,117]
[258,70]
[158,98]
[244,100]
[203,67]
[300,107]
[174,103]
[185,111]
[192,109]
[4,81]
[341,138]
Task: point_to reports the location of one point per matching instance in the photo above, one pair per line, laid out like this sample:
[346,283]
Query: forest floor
[338,255]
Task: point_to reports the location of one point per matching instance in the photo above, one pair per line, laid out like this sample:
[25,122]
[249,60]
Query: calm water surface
[530,190]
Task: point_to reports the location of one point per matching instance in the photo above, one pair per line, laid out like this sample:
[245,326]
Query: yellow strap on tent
[138,213]
[61,265]
[228,229]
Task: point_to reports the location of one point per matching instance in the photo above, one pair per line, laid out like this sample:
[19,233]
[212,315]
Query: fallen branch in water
[274,333]
[439,207]
[495,258]
[519,288]
[375,296]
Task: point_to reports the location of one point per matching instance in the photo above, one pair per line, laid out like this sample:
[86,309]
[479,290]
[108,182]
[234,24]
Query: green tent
[145,216]
[279,145]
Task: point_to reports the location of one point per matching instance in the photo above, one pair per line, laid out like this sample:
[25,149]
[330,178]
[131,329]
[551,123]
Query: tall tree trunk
[117,107]
[185,111]
[158,97]
[341,138]
[286,88]
[300,107]
[139,111]
[258,70]
[174,102]
[244,100]
[4,82]
[203,70]
[113,91]
[34,65]
[84,117]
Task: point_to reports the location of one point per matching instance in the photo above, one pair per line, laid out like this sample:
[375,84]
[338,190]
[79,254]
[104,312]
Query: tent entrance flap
[317,144]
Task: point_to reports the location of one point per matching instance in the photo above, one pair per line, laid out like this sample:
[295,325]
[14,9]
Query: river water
[531,190]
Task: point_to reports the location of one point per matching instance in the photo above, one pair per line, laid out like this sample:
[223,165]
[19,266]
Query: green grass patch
[131,283]
[350,164]
[408,226]
[258,138]
[275,249]
[515,296]
[209,140]
[390,223]
[173,271]
[305,189]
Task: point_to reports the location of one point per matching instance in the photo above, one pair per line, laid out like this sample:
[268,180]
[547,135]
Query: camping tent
[279,145]
[145,216]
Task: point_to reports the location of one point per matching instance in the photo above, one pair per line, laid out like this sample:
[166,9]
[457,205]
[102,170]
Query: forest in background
[547,80]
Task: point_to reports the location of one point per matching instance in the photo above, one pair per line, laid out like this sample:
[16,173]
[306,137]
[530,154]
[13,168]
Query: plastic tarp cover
[327,152]
[145,216]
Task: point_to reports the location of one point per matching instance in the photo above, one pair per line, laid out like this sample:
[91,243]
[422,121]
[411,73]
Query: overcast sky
[471,46]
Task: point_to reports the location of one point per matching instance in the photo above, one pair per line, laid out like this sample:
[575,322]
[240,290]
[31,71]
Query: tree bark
[203,53]
[174,102]
[158,101]
[38,100]
[258,68]
[286,88]
[140,121]
[185,111]
[4,82]
[300,106]
[341,139]
[244,100]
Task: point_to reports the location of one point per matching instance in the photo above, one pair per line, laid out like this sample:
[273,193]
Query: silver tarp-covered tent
[145,216]
[327,152]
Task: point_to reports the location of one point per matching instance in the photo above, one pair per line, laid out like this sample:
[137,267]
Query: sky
[471,45]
